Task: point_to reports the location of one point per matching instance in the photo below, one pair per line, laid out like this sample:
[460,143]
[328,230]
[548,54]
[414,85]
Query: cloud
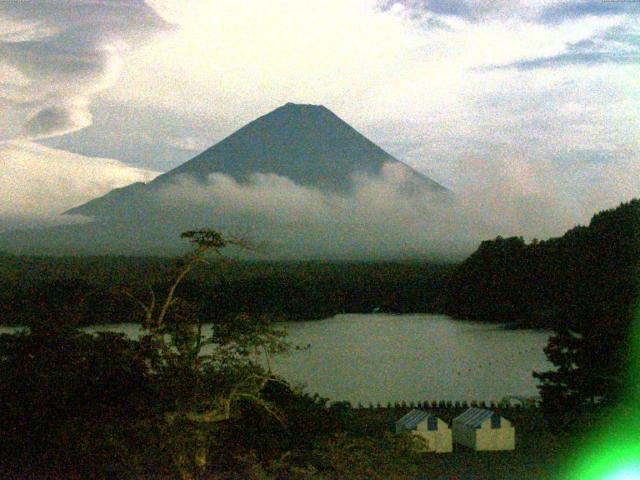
[377,219]
[188,142]
[58,119]
[575,58]
[245,58]
[572,10]
[476,12]
[55,55]
[468,10]
[38,183]
[380,218]
[548,12]
[618,45]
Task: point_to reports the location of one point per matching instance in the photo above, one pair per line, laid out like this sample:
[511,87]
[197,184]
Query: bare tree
[205,377]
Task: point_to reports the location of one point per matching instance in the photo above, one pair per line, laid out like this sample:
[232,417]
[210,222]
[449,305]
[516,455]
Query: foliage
[60,389]
[385,456]
[583,285]
[591,347]
[65,391]
[219,290]
[392,456]
[189,402]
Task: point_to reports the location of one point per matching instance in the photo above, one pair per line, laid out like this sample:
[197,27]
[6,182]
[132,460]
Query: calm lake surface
[387,358]
[381,358]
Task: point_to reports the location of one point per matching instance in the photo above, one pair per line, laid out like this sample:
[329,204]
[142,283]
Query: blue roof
[474,417]
[411,420]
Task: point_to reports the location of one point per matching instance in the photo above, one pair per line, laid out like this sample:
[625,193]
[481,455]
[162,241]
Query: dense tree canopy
[93,288]
[584,285]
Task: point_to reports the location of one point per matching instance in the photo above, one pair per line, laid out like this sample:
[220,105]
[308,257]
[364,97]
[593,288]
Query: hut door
[495,421]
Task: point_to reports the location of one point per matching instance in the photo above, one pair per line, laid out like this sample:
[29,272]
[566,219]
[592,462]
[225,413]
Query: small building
[435,432]
[482,429]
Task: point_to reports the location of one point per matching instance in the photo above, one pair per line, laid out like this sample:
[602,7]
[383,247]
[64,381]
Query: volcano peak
[308,144]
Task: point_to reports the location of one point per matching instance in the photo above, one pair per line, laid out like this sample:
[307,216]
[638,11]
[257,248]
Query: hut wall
[488,438]
[440,440]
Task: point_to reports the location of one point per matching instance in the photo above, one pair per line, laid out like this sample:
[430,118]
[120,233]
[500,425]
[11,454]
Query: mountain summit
[299,178]
[307,144]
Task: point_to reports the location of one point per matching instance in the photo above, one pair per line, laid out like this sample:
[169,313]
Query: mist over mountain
[298,178]
[307,144]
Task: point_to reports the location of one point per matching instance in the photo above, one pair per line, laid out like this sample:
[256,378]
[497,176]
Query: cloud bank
[55,55]
[37,183]
[379,218]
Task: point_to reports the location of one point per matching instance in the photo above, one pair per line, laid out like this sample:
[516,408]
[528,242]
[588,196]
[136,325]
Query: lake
[387,358]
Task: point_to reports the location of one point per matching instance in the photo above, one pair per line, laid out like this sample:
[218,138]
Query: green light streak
[613,451]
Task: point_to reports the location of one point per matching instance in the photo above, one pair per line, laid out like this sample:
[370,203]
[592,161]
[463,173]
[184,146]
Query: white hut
[435,432]
[482,429]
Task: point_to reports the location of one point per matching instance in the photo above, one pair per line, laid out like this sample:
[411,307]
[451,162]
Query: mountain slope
[298,178]
[307,144]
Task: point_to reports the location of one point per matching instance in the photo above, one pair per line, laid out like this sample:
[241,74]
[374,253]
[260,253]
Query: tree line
[92,288]
[583,286]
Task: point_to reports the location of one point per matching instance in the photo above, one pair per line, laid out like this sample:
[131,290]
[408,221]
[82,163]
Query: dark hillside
[591,271]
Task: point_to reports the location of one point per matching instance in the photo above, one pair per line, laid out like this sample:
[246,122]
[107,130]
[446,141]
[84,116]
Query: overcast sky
[535,99]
